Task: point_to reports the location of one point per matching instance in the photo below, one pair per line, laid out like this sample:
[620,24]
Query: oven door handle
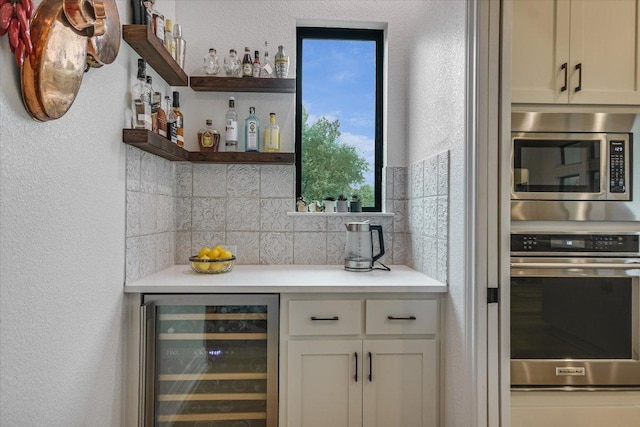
[611,265]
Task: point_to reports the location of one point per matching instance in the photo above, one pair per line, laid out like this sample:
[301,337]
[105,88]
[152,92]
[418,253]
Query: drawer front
[330,317]
[401,317]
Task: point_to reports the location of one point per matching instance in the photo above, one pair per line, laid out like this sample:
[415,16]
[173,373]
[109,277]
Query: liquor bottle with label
[272,135]
[171,121]
[208,137]
[177,117]
[162,117]
[141,100]
[247,64]
[155,19]
[155,104]
[256,64]
[251,131]
[231,127]
[169,41]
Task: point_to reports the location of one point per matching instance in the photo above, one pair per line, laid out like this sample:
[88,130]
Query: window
[339,115]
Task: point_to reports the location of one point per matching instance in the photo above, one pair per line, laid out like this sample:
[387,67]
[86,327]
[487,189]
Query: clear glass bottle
[208,137]
[141,100]
[155,104]
[231,64]
[272,135]
[179,119]
[252,131]
[247,64]
[231,127]
[256,64]
[169,41]
[266,71]
[172,134]
[211,65]
[282,63]
[181,45]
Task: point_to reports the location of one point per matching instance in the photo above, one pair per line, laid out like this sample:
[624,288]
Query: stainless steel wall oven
[574,310]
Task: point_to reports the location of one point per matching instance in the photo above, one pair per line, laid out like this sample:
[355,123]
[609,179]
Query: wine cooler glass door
[213,361]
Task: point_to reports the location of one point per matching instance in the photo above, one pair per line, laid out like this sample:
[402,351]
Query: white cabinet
[385,374]
[576,51]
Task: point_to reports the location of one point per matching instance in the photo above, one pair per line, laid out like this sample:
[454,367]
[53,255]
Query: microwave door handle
[613,265]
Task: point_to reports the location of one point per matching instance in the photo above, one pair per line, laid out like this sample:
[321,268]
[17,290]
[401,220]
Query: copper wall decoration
[69,38]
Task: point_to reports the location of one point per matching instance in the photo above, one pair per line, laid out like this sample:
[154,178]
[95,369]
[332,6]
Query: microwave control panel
[564,243]
[617,167]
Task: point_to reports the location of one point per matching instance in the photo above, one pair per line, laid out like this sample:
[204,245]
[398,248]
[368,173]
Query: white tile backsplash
[175,208]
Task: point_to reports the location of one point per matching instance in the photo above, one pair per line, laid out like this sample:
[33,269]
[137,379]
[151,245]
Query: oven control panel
[565,243]
[617,167]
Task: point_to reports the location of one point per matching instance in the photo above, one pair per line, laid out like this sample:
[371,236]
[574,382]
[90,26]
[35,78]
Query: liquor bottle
[256,64]
[251,131]
[211,65]
[141,100]
[155,20]
[155,104]
[208,137]
[231,127]
[172,134]
[247,64]
[282,63]
[267,70]
[272,135]
[231,66]
[177,117]
[169,41]
[162,117]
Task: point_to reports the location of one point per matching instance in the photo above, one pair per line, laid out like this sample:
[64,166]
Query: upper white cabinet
[576,52]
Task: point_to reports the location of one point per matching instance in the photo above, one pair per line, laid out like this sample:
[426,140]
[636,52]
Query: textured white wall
[62,218]
[436,122]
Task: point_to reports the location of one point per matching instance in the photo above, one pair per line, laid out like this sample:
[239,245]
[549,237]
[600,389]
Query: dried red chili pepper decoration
[15,17]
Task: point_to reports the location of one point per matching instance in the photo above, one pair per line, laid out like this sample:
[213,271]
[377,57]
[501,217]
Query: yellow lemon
[202,265]
[225,254]
[214,254]
[204,251]
[218,247]
[217,266]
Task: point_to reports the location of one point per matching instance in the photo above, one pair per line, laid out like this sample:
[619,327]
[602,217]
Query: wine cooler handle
[564,67]
[579,70]
[356,375]
[316,318]
[142,364]
[370,367]
[401,317]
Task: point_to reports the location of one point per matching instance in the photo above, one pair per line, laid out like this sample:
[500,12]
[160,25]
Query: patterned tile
[132,265]
[184,179]
[133,168]
[417,180]
[310,222]
[399,183]
[277,181]
[443,217]
[276,248]
[148,212]
[309,248]
[387,258]
[183,247]
[431,176]
[165,214]
[431,216]
[416,216]
[183,213]
[247,246]
[165,250]
[336,242]
[148,177]
[208,214]
[430,257]
[209,180]
[400,216]
[273,214]
[243,181]
[339,222]
[147,255]
[133,213]
[443,259]
[165,177]
[417,252]
[443,173]
[243,214]
[401,249]
[388,183]
[201,239]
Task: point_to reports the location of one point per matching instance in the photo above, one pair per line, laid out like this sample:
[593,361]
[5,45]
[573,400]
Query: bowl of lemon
[214,260]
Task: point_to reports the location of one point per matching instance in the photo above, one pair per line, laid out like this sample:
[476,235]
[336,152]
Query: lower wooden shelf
[153,143]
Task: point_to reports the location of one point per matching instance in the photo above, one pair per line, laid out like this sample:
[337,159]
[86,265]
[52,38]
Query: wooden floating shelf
[155,144]
[151,49]
[239,84]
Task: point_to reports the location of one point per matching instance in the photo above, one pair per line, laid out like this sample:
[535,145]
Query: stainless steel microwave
[571,166]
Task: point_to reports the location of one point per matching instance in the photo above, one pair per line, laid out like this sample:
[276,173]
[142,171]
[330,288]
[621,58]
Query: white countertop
[286,279]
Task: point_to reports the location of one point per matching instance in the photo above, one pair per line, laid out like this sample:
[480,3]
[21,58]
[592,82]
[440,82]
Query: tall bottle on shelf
[179,120]
[141,100]
[169,41]
[172,133]
[155,104]
[266,70]
[162,117]
[231,127]
[252,131]
[247,64]
[272,135]
[256,64]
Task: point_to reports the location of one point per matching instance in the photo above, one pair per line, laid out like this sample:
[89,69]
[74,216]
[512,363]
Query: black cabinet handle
[356,375]
[334,318]
[564,67]
[401,317]
[370,367]
[579,70]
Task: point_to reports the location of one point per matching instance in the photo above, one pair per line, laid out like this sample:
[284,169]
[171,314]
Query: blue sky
[339,78]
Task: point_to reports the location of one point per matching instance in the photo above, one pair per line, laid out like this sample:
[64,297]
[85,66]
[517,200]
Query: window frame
[330,33]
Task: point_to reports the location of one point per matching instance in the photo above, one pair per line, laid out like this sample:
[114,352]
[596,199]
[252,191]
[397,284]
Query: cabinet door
[606,43]
[540,47]
[400,383]
[322,388]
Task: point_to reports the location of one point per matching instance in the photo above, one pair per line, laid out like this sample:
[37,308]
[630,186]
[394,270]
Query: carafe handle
[378,228]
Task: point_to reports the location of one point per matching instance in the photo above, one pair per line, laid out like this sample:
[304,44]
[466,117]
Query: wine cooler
[209,361]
